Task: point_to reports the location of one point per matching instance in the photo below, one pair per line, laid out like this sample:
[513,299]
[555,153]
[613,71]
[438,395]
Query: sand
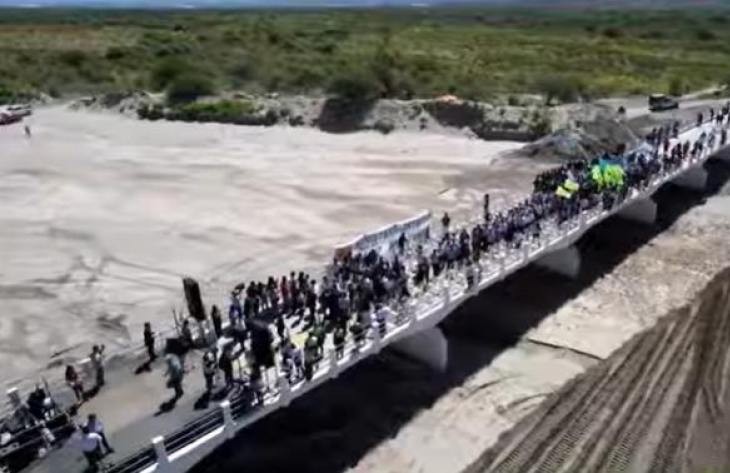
[101,215]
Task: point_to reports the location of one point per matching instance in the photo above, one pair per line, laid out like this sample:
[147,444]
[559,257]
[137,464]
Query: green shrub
[613,33]
[562,88]
[188,87]
[677,86]
[226,111]
[354,87]
[73,58]
[167,71]
[705,35]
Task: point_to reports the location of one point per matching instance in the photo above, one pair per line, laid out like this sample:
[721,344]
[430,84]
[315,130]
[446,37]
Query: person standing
[74,382]
[209,369]
[446,221]
[174,374]
[226,365]
[149,341]
[215,317]
[97,361]
[94,425]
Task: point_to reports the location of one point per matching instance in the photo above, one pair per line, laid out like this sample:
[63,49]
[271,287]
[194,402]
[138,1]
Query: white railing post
[284,390]
[163,461]
[447,294]
[376,336]
[229,426]
[334,368]
[14,397]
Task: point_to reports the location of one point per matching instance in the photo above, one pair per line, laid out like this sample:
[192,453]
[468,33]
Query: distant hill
[193,4]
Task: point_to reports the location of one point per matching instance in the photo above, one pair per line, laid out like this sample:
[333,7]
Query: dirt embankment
[660,403]
[569,130]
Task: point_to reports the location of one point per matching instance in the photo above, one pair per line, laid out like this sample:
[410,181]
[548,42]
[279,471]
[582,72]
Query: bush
[188,87]
[613,33]
[73,58]
[225,111]
[167,71]
[354,87]
[705,35]
[565,89]
[677,86]
[115,53]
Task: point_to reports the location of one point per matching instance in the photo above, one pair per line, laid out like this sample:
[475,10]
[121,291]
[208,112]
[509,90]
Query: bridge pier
[565,262]
[427,346]
[643,211]
[722,154]
[694,178]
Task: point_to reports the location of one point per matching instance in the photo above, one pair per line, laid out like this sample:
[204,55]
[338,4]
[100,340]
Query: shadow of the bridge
[333,427]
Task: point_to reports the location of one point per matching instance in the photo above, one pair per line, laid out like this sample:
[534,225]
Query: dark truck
[661,102]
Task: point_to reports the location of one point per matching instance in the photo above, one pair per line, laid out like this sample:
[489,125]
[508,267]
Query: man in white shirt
[95,426]
[91,446]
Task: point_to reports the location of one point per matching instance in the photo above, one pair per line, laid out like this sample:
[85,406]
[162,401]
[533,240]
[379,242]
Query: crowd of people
[351,299]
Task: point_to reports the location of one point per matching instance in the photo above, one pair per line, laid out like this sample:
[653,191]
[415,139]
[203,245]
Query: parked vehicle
[7,118]
[661,102]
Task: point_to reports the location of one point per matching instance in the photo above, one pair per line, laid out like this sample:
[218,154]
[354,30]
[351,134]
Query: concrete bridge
[413,328]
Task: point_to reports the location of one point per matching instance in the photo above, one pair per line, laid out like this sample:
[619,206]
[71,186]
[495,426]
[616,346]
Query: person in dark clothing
[402,243]
[215,317]
[74,382]
[446,221]
[226,365]
[149,341]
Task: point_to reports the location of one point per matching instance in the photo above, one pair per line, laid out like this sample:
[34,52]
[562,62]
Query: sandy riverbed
[101,215]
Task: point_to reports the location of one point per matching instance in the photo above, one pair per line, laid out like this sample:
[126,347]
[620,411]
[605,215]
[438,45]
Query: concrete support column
[565,262]
[722,154]
[643,210]
[229,424]
[332,359]
[428,346]
[694,178]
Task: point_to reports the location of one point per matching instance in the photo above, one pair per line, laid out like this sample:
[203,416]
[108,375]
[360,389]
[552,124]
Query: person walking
[91,448]
[73,380]
[97,361]
[94,425]
[174,374]
[149,341]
